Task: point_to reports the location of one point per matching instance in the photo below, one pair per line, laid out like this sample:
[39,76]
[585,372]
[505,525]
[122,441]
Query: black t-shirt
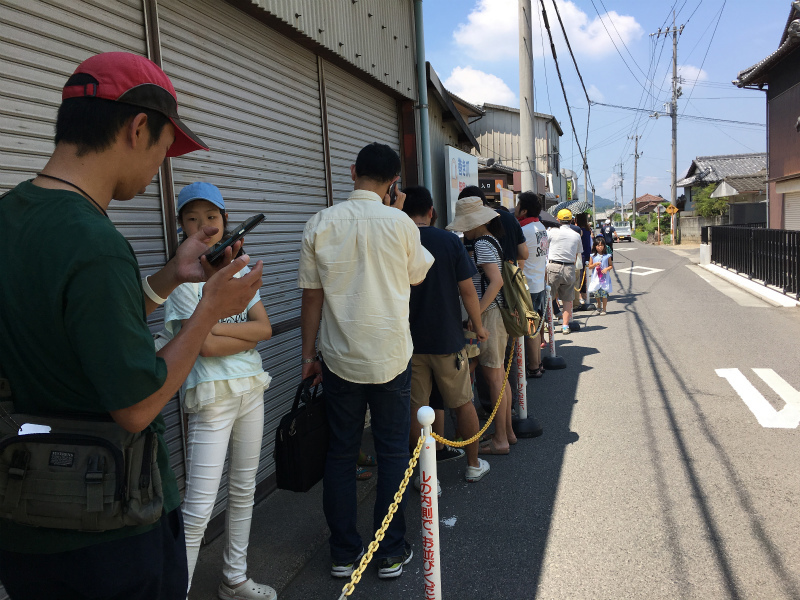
[608,233]
[513,237]
[435,307]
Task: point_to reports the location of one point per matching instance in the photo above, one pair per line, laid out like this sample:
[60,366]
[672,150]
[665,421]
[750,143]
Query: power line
[627,66]
[621,39]
[580,77]
[700,70]
[544,62]
[683,116]
[561,81]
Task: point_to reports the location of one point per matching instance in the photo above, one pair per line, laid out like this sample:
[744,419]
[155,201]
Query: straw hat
[471,213]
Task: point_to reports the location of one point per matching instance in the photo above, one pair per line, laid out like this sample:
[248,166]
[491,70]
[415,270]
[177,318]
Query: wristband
[150,293]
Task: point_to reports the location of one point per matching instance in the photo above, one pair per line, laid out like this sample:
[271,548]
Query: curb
[769,295]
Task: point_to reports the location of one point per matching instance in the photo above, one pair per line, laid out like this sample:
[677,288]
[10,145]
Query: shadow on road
[652,385]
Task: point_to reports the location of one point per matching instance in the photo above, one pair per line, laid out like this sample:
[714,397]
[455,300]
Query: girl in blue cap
[224,398]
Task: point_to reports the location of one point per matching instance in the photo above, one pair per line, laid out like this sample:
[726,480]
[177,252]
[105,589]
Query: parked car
[623,231]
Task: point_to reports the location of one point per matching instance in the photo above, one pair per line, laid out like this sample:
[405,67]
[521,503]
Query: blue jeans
[346,405]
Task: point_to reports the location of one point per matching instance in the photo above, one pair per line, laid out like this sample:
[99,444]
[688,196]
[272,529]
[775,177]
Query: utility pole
[673,108]
[636,156]
[527,137]
[621,197]
[594,209]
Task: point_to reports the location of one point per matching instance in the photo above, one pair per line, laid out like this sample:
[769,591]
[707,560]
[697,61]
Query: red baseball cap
[136,80]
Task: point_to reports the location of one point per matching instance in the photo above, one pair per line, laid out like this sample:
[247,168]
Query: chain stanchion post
[552,362]
[428,493]
[523,426]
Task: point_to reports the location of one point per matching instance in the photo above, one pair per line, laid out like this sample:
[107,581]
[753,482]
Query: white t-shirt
[180,306]
[565,244]
[536,263]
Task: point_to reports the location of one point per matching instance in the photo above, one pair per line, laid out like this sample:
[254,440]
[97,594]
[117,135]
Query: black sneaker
[448,453]
[393,567]
[346,569]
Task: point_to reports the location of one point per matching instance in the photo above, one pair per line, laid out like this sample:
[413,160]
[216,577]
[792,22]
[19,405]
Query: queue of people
[393,311]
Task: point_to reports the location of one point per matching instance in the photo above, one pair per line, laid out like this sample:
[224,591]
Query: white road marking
[624,249]
[638,270]
[786,418]
[737,294]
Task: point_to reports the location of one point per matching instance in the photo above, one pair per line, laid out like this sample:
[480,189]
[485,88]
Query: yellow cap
[564,214]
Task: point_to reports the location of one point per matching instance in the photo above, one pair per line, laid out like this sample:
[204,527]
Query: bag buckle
[95,470]
[19,464]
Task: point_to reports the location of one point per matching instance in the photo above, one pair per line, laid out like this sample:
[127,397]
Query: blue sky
[472,45]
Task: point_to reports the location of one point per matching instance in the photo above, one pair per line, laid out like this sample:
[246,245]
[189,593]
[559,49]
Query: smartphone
[217,251]
[393,193]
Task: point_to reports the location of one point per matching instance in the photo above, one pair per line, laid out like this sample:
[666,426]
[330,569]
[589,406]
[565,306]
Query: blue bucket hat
[200,190]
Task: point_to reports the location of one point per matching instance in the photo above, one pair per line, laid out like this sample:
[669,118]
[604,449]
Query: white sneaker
[249,590]
[474,474]
[438,486]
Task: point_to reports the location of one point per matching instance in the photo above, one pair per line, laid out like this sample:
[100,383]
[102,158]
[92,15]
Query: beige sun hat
[471,213]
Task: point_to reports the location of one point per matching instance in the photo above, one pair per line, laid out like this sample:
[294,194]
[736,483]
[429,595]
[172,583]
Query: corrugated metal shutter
[41,45]
[358,114]
[253,96]
[791,211]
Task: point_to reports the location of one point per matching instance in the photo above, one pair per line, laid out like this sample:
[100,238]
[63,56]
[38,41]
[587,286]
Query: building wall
[498,134]
[443,133]
[375,37]
[253,92]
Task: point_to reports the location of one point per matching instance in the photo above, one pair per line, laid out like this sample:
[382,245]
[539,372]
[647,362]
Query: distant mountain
[600,202]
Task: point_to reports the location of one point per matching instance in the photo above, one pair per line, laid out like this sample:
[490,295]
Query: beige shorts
[561,279]
[493,350]
[453,383]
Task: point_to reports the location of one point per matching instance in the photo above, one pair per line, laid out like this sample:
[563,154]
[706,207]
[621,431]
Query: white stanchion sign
[522,381]
[550,323]
[428,490]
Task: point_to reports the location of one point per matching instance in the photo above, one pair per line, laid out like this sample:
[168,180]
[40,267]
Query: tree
[707,206]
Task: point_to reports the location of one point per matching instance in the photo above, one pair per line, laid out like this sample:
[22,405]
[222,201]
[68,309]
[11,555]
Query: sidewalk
[768,294]
[288,530]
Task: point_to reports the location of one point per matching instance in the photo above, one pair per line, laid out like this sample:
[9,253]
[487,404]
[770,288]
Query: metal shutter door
[41,45]
[791,211]
[253,96]
[358,114]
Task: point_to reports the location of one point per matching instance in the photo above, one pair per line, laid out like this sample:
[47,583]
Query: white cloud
[478,87]
[595,94]
[492,31]
[690,73]
[650,180]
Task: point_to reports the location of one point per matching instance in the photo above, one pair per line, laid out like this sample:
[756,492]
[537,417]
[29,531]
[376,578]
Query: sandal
[536,373]
[362,474]
[490,448]
[365,460]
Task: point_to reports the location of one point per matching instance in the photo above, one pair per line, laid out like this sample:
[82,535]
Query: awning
[724,190]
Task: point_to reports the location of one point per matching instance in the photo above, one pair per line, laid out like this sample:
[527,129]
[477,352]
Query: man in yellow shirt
[358,261]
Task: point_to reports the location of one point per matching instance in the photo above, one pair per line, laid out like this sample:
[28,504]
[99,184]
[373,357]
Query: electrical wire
[544,62]
[700,70]
[561,81]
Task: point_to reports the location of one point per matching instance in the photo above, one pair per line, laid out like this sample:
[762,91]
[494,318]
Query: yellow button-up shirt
[365,256]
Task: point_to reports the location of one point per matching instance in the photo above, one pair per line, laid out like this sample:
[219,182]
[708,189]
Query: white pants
[238,421]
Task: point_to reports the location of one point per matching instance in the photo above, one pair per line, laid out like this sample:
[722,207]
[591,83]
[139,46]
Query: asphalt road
[653,478]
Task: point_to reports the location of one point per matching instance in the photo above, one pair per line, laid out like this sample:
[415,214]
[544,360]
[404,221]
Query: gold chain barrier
[350,586]
[578,289]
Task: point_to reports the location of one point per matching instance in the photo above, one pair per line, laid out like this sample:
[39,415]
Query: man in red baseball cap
[74,338]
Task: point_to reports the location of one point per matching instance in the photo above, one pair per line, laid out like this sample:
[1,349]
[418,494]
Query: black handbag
[301,441]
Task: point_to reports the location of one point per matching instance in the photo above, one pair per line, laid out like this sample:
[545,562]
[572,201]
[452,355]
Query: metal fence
[771,256]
